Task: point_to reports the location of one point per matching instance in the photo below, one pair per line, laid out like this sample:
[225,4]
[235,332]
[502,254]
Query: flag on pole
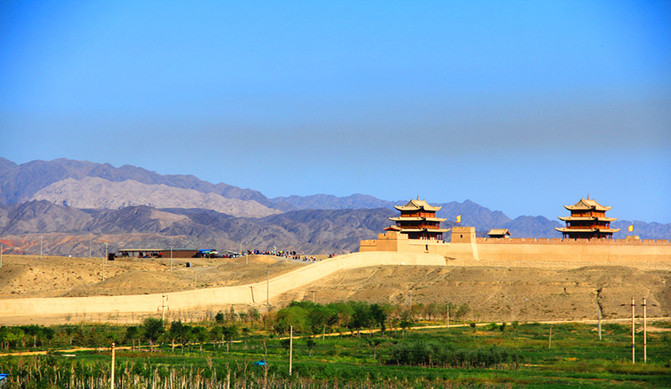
[631,228]
[458,218]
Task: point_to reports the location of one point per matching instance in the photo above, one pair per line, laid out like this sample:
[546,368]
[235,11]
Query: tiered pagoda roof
[416,205]
[418,220]
[588,220]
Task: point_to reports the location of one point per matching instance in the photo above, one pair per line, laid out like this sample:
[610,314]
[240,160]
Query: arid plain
[492,293]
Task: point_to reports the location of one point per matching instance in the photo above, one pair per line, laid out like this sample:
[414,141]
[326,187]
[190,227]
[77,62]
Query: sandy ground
[30,276]
[492,293]
[499,293]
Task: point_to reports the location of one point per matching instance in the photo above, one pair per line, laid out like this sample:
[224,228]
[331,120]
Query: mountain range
[69,203]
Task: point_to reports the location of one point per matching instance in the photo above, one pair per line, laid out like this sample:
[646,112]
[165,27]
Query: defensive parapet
[466,249]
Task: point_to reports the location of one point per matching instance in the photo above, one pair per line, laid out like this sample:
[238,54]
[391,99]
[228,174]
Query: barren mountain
[96,193]
[68,230]
[18,183]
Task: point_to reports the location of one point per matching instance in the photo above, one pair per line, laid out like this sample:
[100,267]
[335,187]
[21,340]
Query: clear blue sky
[520,106]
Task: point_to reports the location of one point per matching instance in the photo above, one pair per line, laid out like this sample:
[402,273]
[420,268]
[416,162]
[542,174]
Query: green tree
[32,331]
[515,326]
[132,333]
[152,329]
[378,316]
[11,336]
[310,343]
[48,334]
[217,334]
[229,332]
[254,315]
[374,343]
[502,327]
[201,334]
[219,317]
[463,310]
[176,332]
[405,321]
[295,316]
[360,318]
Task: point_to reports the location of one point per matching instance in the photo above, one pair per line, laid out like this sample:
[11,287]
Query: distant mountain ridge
[137,205]
[95,192]
[18,183]
[310,231]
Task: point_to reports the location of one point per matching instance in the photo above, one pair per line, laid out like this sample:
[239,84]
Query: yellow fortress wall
[467,250]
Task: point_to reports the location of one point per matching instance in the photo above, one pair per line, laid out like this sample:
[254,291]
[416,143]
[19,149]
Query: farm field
[221,353]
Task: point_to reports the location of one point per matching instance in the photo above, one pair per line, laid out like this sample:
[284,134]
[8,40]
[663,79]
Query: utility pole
[104,260]
[291,347]
[633,332]
[112,370]
[448,315]
[268,287]
[170,259]
[598,307]
[163,309]
[645,334]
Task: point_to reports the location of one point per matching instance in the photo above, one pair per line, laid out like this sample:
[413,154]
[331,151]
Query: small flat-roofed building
[418,221]
[498,233]
[587,221]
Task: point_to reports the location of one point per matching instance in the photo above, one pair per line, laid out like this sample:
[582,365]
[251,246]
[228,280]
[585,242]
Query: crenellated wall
[467,250]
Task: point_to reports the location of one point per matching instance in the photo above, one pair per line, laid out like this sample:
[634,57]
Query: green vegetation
[382,350]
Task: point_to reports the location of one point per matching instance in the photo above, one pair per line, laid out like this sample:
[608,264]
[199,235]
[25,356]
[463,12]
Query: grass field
[488,355]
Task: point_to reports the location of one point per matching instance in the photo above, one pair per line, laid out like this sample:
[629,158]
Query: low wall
[253,294]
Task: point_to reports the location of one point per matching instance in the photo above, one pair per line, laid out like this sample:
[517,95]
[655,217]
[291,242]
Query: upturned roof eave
[585,204]
[416,218]
[604,230]
[585,218]
[414,205]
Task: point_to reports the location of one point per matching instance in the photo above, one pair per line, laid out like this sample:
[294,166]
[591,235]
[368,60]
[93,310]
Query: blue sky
[520,106]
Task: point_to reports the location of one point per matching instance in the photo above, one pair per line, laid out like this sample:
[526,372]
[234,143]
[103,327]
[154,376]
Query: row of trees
[435,354]
[12,337]
[311,318]
[306,317]
[156,331]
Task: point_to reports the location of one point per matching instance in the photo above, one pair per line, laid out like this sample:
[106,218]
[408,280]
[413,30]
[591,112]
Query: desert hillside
[492,293]
[97,193]
[30,276]
[500,293]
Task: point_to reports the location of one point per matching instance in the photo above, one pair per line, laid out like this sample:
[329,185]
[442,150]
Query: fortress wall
[32,308]
[602,242]
[465,249]
[562,255]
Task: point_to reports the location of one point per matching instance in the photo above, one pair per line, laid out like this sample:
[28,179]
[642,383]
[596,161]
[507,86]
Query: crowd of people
[283,254]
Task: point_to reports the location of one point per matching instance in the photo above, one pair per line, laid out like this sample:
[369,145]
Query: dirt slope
[493,293]
[30,276]
[500,293]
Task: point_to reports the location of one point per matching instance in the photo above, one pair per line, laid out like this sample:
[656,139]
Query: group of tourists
[283,254]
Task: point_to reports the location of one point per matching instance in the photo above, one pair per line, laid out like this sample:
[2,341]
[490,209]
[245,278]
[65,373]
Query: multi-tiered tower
[418,220]
[587,221]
